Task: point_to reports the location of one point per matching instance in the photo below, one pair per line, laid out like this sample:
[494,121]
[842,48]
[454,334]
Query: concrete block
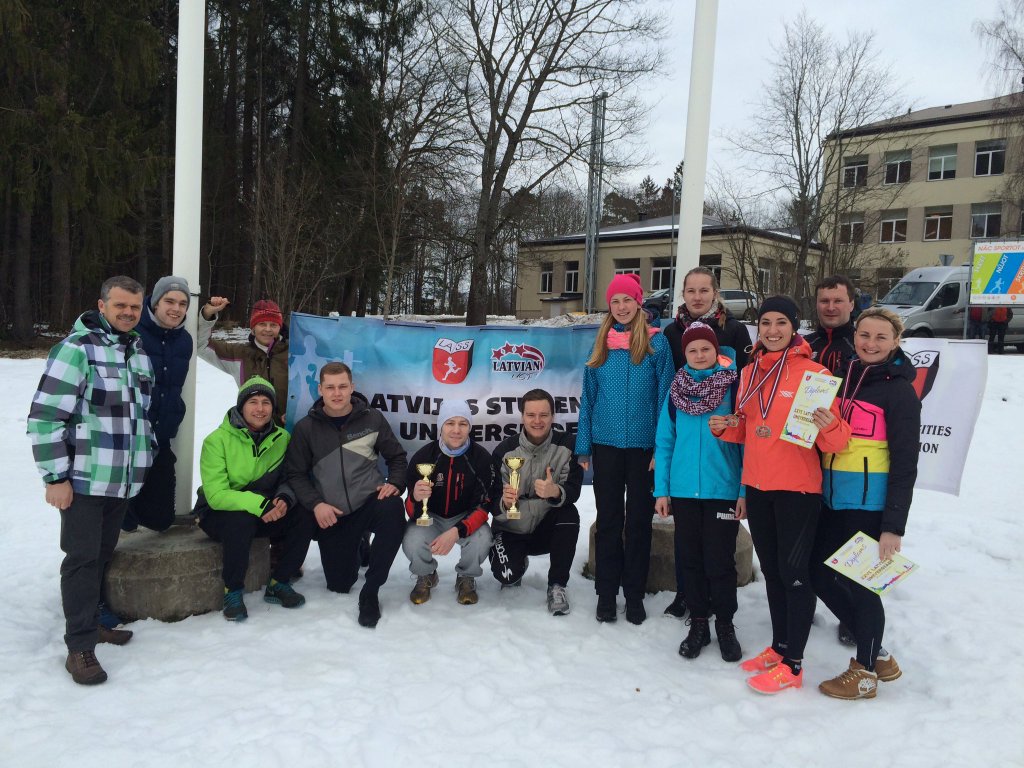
[175,574]
[662,573]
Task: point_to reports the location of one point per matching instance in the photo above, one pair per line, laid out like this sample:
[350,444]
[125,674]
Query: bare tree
[1003,38]
[530,71]
[819,87]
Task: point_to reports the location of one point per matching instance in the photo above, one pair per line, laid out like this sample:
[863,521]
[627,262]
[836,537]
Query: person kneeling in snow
[458,493]
[244,494]
[549,485]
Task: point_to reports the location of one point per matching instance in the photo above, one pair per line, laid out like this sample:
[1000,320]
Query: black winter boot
[727,642]
[607,610]
[695,641]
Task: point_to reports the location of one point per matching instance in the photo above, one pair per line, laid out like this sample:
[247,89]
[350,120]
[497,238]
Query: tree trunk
[60,264]
[23,321]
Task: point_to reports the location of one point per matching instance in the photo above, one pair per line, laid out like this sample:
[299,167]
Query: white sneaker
[558,600]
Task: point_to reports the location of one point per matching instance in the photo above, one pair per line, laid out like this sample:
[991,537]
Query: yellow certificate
[858,559]
[816,390]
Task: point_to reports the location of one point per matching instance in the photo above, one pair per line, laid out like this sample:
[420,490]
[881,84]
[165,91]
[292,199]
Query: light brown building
[920,189]
[551,271]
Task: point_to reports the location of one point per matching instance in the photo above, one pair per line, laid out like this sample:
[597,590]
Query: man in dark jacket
[331,465]
[549,485]
[832,343]
[169,346]
[92,444]
[832,346]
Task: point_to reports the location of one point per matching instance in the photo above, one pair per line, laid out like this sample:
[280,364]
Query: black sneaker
[677,608]
[635,611]
[696,639]
[281,593]
[846,636]
[369,611]
[727,642]
[234,606]
[607,610]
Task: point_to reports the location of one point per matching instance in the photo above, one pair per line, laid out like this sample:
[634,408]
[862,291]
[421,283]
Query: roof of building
[663,227]
[971,111]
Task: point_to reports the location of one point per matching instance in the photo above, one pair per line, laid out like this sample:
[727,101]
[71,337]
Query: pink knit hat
[627,284]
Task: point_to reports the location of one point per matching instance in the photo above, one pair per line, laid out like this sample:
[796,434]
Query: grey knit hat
[170,283]
[256,386]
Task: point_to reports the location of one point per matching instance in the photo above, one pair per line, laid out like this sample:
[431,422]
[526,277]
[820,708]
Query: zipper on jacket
[864,497]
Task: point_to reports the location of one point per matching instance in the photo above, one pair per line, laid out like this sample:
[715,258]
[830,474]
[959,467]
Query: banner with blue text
[405,370]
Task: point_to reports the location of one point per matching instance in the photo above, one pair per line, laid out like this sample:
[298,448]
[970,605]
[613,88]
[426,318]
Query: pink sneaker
[765,660]
[776,680]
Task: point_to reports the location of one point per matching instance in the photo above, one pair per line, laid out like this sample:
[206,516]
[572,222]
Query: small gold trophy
[514,464]
[426,470]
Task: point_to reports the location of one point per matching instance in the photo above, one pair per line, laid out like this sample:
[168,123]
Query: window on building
[942,162]
[893,228]
[547,274]
[627,266]
[897,167]
[986,219]
[855,171]
[712,261]
[764,281]
[938,225]
[989,157]
[851,230]
[663,274]
[572,277]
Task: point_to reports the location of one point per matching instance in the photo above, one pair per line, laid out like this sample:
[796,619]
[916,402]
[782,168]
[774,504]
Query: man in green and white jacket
[92,443]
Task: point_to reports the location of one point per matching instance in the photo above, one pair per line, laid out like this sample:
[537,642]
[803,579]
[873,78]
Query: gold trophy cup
[514,464]
[425,470]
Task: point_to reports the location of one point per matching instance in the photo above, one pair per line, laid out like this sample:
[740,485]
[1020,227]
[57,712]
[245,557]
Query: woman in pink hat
[625,381]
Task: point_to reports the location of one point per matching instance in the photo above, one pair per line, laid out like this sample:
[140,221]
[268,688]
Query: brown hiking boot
[465,590]
[855,683]
[114,636]
[887,669]
[85,669]
[421,592]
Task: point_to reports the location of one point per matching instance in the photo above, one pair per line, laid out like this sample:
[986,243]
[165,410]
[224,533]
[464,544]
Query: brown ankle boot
[85,669]
[465,589]
[114,636]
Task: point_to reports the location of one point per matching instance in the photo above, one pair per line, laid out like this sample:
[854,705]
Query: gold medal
[764,431]
[732,420]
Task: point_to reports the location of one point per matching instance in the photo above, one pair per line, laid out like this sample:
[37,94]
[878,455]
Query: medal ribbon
[846,404]
[759,387]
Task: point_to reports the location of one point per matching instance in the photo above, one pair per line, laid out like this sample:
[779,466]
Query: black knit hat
[783,305]
[256,386]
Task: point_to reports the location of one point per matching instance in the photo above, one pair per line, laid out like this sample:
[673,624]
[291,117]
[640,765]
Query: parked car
[659,302]
[743,304]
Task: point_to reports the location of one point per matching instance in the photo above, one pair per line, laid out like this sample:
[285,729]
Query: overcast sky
[930,45]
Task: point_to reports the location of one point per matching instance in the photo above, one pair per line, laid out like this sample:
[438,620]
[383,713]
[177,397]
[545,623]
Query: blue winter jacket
[621,401]
[170,351]
[689,461]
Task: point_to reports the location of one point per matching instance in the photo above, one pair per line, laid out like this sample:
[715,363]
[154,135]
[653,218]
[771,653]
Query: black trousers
[783,525]
[556,535]
[235,530]
[339,544]
[623,482]
[89,530]
[154,506]
[705,550]
[858,608]
[996,338]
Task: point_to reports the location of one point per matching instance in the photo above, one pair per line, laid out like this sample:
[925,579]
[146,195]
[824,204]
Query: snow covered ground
[504,684]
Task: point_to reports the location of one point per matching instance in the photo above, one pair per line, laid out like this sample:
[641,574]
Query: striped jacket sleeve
[53,406]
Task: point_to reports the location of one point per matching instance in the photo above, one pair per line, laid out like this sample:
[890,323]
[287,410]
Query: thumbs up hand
[546,488]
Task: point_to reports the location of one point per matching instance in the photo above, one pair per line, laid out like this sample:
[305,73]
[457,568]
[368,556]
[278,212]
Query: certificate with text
[858,559]
[816,390]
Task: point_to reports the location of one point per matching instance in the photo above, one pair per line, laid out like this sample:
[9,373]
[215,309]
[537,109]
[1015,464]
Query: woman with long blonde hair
[625,381]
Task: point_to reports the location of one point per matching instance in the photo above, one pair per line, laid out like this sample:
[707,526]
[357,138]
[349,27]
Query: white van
[933,302]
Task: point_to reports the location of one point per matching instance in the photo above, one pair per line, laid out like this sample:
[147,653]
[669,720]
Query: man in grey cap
[169,346]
